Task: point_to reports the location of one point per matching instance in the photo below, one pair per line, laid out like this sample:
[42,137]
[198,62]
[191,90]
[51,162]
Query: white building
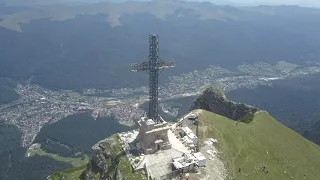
[192,116]
[185,163]
[188,132]
[201,160]
[153,136]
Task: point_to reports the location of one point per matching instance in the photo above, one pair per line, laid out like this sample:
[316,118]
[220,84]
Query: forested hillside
[7,92]
[14,165]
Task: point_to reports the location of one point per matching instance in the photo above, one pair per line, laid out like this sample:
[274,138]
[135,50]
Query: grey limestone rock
[100,160]
[215,101]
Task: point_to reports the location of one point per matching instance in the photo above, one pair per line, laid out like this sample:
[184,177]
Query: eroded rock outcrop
[215,101]
[109,162]
[104,162]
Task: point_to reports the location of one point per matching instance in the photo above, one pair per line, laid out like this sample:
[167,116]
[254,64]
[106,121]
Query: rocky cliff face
[106,155]
[215,101]
[109,162]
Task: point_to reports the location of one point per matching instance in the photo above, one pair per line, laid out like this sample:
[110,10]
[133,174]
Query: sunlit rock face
[102,165]
[215,101]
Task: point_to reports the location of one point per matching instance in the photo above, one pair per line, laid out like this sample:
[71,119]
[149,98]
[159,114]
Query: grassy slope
[75,162]
[262,142]
[123,164]
[70,174]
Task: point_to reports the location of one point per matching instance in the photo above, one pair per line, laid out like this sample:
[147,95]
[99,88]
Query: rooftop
[186,129]
[150,122]
[199,156]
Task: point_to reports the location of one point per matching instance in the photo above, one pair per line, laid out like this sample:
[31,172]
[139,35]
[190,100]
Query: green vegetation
[75,162]
[215,101]
[79,132]
[70,174]
[34,168]
[7,92]
[125,167]
[10,137]
[118,162]
[263,142]
[293,102]
[214,93]
[215,90]
[14,165]
[247,118]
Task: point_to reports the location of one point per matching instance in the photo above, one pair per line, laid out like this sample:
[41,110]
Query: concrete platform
[159,163]
[176,143]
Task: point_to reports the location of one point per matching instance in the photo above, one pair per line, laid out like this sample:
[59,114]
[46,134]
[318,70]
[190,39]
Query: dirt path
[215,169]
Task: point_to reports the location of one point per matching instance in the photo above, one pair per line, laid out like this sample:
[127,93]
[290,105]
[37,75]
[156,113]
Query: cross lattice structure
[154,65]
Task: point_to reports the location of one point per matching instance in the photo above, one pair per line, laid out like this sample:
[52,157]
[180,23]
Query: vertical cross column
[153,77]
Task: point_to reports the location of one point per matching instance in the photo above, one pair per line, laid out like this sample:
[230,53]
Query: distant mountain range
[80,46]
[92,46]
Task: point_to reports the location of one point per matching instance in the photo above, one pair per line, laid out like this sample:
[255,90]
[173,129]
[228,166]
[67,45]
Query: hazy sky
[274,2]
[310,3]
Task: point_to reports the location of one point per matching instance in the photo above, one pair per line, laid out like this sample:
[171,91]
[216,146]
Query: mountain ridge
[57,42]
[260,149]
[214,100]
[263,142]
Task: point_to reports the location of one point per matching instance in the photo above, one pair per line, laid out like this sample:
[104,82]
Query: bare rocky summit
[215,101]
[109,162]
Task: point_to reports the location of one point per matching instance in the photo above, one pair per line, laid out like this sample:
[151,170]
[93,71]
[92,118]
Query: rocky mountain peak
[214,100]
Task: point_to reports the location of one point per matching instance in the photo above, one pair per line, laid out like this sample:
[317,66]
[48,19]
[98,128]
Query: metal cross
[153,65]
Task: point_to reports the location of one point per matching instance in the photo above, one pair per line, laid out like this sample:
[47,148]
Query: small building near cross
[153,136]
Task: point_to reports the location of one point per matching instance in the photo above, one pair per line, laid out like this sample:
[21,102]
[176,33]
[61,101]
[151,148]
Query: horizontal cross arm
[165,64]
[144,66]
